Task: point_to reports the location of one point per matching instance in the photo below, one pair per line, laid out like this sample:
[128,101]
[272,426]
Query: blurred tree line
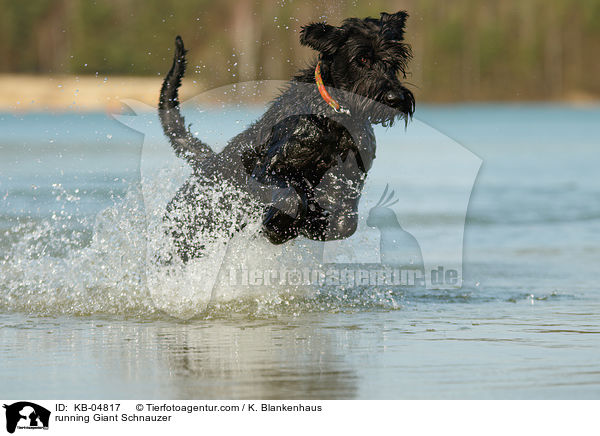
[464,49]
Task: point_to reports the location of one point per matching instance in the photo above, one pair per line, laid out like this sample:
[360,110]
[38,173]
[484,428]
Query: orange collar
[328,98]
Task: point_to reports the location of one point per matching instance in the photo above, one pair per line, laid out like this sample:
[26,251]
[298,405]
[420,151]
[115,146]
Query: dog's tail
[185,144]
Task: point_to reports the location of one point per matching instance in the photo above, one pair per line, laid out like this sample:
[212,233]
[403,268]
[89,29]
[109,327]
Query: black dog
[301,167]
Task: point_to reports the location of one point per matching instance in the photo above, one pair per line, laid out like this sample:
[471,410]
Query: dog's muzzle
[401,100]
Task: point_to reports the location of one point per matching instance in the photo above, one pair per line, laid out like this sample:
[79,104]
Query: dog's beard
[376,112]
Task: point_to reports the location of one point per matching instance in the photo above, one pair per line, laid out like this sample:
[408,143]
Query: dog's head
[367,58]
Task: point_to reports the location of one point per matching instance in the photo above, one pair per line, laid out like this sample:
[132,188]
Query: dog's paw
[278,226]
[315,222]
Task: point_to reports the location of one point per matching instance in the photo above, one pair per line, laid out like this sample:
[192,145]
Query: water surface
[77,319]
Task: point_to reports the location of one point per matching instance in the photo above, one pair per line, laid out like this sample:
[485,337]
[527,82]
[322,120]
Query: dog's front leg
[291,154]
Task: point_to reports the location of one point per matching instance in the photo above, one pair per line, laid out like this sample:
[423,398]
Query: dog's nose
[394,98]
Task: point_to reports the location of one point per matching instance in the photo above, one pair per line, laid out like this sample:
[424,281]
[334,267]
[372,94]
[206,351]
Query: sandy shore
[28,93]
[31,93]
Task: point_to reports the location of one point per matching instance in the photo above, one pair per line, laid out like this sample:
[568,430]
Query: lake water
[80,318]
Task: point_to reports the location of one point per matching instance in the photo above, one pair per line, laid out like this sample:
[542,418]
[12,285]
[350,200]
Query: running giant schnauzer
[301,167]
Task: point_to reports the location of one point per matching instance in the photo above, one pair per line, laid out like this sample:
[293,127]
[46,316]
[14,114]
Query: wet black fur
[301,166]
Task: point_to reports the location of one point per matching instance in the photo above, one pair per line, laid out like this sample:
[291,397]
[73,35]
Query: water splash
[108,264]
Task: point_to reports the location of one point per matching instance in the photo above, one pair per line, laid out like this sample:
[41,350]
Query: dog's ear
[392,25]
[322,37]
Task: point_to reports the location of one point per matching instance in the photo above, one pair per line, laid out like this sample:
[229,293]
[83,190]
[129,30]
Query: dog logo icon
[26,415]
[397,246]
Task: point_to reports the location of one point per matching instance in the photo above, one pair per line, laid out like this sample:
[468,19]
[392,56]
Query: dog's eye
[365,61]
